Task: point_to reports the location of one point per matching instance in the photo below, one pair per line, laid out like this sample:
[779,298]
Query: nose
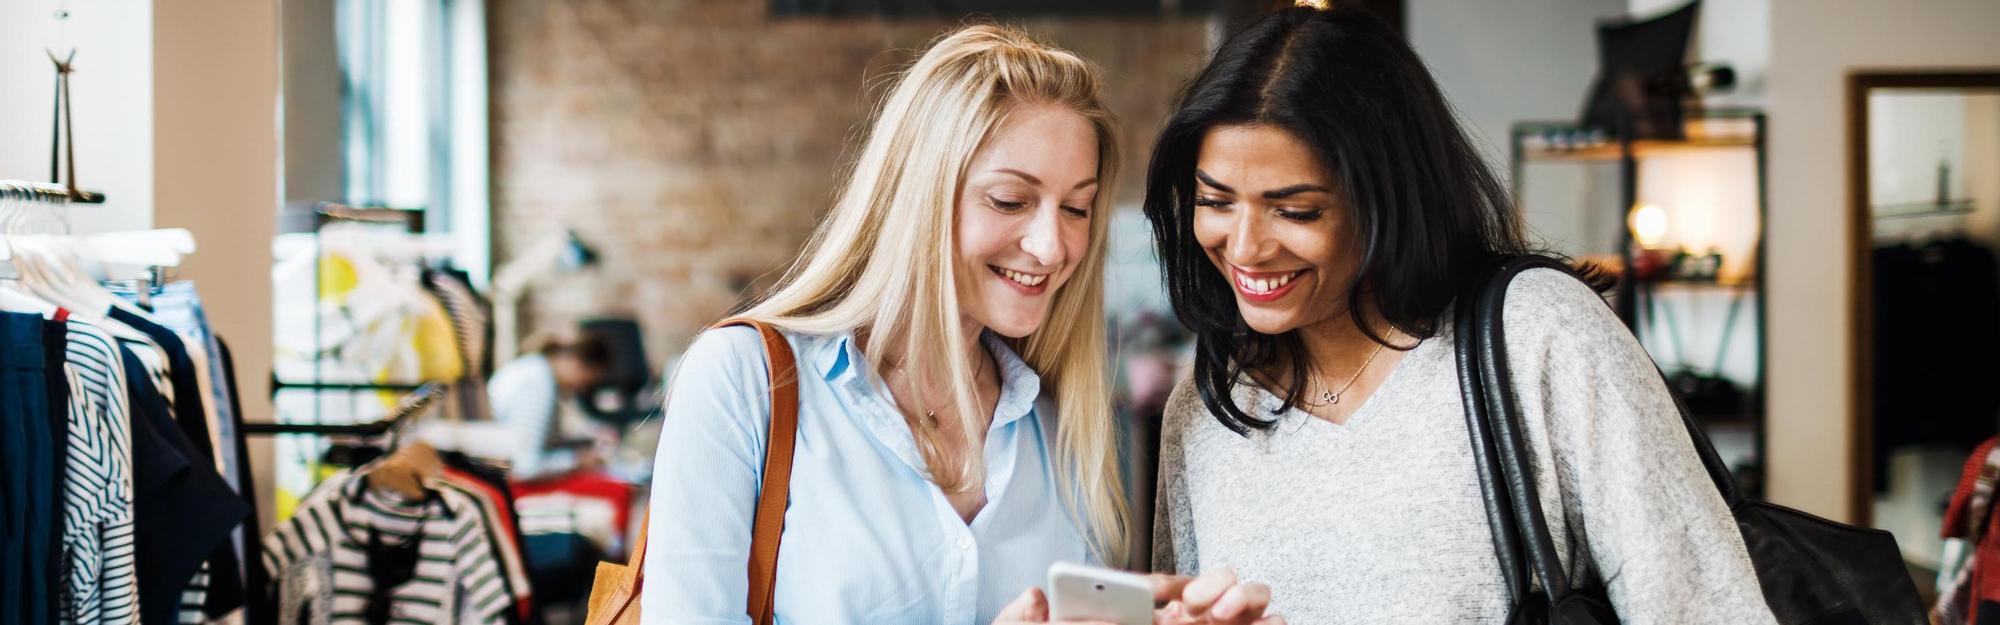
[1249,242]
[1043,240]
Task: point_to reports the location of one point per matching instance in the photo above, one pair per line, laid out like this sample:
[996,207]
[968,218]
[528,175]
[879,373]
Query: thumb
[1030,607]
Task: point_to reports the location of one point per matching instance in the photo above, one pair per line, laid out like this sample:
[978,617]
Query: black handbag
[1811,570]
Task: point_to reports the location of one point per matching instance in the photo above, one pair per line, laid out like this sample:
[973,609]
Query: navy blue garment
[29,465]
[257,607]
[55,349]
[225,585]
[188,510]
[560,566]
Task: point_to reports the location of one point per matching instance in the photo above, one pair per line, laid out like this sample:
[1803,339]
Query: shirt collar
[840,363]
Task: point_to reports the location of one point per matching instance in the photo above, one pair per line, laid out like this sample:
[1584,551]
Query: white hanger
[19,302]
[49,272]
[151,248]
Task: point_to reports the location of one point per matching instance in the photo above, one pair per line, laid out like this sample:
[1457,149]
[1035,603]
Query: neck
[975,350]
[1338,344]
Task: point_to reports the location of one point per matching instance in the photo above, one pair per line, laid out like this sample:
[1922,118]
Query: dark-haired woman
[1317,207]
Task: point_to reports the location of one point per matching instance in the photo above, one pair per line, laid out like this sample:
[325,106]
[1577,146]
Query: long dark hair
[1427,212]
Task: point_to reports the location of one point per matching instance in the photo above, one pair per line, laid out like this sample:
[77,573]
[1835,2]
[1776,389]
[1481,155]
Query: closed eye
[1076,212]
[1301,216]
[1209,202]
[1006,206]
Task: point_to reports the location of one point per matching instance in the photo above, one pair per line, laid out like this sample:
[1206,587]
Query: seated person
[526,394]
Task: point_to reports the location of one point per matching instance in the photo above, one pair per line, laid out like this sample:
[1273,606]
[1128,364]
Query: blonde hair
[882,263]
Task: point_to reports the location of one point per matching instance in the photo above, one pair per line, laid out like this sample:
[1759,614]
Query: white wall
[112,88]
[1814,44]
[1503,62]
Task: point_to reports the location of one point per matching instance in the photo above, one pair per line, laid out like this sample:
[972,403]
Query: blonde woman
[954,431]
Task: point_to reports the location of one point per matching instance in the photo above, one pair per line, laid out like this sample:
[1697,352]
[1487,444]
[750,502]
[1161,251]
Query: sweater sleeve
[1634,495]
[1173,525]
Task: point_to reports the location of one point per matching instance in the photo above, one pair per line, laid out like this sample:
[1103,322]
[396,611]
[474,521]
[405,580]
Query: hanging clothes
[336,553]
[185,510]
[1966,585]
[489,484]
[591,504]
[1935,340]
[468,315]
[177,306]
[29,489]
[220,587]
[98,497]
[59,381]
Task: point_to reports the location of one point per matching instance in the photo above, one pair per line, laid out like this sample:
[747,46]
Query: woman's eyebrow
[1285,192]
[1274,194]
[1203,177]
[1022,175]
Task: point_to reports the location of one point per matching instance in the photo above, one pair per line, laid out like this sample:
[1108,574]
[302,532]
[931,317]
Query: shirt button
[964,543]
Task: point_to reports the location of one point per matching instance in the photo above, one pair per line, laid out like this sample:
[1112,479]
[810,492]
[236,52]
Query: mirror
[1925,197]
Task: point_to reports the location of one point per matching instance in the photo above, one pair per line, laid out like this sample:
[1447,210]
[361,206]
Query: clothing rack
[279,385]
[323,214]
[46,192]
[413,404]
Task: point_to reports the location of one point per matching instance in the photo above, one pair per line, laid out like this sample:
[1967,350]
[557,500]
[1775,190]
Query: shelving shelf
[1709,130]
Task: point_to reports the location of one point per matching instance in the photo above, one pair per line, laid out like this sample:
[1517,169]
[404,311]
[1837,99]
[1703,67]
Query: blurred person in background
[955,434]
[527,393]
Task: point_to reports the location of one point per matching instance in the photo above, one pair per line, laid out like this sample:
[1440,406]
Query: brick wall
[695,142]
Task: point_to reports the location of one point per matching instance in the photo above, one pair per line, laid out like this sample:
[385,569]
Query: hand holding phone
[1214,598]
[1079,592]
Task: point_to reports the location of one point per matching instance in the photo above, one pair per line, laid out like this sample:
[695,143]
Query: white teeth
[1022,278]
[1264,285]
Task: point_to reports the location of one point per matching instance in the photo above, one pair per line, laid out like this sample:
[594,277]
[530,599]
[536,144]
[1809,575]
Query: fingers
[1241,604]
[1200,595]
[1270,620]
[1167,587]
[1030,607]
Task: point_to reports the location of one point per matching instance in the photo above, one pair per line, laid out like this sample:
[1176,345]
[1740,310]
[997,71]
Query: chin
[1267,323]
[1014,330]
[1015,324]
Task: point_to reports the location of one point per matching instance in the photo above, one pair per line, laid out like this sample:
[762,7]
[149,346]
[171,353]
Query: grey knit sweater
[1379,520]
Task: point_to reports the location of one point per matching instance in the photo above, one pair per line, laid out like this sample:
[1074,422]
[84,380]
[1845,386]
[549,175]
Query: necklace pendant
[1329,397]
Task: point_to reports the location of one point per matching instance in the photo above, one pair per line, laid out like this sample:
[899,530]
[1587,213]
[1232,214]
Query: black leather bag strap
[1492,302]
[1503,416]
[1521,536]
[1492,488]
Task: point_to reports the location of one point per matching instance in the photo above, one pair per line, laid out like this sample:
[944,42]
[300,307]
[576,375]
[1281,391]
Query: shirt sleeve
[1635,495]
[1173,526]
[705,481]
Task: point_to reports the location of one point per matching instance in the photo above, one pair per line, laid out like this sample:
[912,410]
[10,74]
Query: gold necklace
[1329,398]
[930,415]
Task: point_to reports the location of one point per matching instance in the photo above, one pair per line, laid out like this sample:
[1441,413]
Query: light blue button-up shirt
[868,539]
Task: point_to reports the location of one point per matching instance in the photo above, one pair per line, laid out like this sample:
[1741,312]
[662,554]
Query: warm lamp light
[1649,225]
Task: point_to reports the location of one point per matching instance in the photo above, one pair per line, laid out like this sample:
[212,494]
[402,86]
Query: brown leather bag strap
[769,524]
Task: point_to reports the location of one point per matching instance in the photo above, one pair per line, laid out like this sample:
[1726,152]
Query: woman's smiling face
[1267,214]
[1024,217]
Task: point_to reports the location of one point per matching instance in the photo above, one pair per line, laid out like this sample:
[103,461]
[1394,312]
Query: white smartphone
[1084,592]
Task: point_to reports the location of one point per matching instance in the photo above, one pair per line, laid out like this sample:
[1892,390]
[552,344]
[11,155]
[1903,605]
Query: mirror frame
[1861,229]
